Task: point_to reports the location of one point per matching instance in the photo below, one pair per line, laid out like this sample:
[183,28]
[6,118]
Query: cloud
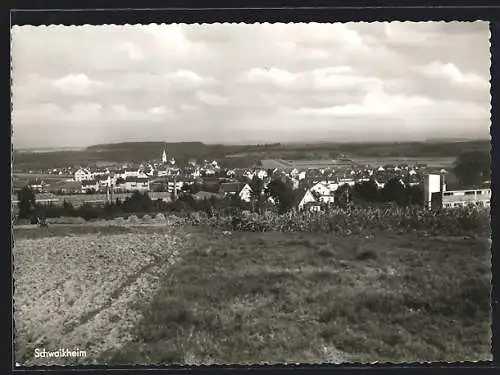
[77,84]
[452,73]
[374,103]
[211,98]
[276,76]
[132,50]
[239,82]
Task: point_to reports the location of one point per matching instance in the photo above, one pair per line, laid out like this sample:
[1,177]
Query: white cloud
[160,111]
[452,73]
[77,84]
[211,98]
[183,76]
[276,76]
[404,32]
[132,50]
[374,103]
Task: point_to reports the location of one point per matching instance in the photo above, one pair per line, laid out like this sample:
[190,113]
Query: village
[164,179]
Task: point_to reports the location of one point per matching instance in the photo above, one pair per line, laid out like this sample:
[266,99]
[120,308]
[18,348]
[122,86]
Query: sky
[75,86]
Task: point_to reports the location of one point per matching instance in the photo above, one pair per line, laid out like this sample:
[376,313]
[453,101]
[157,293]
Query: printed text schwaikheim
[42,353]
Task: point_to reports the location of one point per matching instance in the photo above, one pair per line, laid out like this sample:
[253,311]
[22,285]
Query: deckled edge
[14,363]
[424,364]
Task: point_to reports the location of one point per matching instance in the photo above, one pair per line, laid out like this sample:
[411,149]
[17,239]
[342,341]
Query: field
[19,180]
[432,162]
[246,297]
[436,162]
[77,287]
[317,163]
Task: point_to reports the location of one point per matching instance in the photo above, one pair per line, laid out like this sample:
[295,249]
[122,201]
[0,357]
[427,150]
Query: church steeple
[164,156]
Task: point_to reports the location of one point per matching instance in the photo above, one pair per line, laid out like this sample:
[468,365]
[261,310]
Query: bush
[355,220]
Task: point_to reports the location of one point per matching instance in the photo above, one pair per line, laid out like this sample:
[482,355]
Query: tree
[258,199]
[138,202]
[472,167]
[415,195]
[343,195]
[394,191]
[27,202]
[282,194]
[366,190]
[193,188]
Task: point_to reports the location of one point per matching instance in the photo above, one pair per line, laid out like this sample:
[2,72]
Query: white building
[463,198]
[309,200]
[89,186]
[435,194]
[134,184]
[320,188]
[261,174]
[314,201]
[433,184]
[246,193]
[83,174]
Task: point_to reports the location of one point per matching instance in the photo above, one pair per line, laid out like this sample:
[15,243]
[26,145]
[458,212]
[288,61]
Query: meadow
[273,298]
[195,291]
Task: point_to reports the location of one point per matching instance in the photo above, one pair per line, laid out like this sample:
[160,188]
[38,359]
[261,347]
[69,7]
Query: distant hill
[135,146]
[240,156]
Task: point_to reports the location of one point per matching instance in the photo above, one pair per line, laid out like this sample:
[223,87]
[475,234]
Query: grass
[77,230]
[274,297]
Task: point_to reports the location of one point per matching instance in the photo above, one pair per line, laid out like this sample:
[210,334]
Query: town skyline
[249,84]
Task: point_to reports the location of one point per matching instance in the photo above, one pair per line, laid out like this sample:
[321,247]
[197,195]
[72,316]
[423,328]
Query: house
[100,172]
[320,188]
[261,174]
[348,181]
[89,186]
[171,183]
[83,174]
[244,191]
[249,174]
[37,185]
[163,172]
[104,181]
[206,195]
[309,202]
[208,172]
[130,184]
[67,187]
[413,180]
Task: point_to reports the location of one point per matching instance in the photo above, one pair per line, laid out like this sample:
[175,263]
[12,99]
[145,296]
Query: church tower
[164,156]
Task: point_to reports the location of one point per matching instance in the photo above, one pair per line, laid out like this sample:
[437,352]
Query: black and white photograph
[260,193]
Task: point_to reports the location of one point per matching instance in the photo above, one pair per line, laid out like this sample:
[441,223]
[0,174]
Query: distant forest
[242,156]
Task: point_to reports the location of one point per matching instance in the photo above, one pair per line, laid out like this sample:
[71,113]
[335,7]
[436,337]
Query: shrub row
[460,221]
